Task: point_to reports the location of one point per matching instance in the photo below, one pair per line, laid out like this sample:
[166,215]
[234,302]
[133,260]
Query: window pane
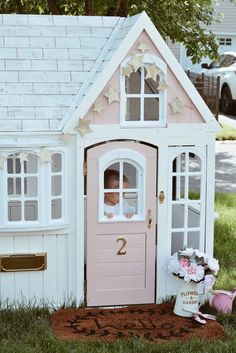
[179,164]
[112,176]
[193,240]
[30,186]
[151,86]
[133,84]
[31,210]
[9,165]
[178,191]
[132,109]
[10,186]
[194,163]
[56,209]
[151,109]
[177,216]
[130,203]
[130,176]
[56,163]
[31,166]
[193,216]
[177,242]
[194,187]
[17,166]
[56,185]
[14,211]
[111,204]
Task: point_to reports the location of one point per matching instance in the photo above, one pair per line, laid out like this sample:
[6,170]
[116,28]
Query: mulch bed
[155,323]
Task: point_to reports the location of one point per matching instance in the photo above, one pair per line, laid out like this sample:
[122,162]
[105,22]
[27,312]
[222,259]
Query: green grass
[227,133]
[27,330]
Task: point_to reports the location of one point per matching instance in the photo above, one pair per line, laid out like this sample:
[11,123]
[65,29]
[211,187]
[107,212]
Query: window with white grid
[143,92]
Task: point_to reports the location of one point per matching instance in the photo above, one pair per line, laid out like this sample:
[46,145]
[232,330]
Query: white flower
[213,265]
[193,273]
[174,265]
[199,253]
[187,252]
[209,281]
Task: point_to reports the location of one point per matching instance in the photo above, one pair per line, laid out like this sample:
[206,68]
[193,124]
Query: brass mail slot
[23,262]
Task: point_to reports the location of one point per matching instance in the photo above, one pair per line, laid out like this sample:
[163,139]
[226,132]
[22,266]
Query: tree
[181,21]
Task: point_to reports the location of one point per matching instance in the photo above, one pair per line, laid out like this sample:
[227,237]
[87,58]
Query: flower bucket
[187,303]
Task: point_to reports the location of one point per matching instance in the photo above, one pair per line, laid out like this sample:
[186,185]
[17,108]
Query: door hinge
[85,168]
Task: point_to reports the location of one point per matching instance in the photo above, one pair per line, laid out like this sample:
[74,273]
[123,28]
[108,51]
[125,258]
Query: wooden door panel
[129,278]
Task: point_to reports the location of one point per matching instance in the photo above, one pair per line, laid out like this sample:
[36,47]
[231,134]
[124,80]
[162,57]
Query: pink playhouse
[81,97]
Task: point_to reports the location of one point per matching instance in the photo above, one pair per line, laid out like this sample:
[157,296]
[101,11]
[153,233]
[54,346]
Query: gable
[184,90]
[110,113]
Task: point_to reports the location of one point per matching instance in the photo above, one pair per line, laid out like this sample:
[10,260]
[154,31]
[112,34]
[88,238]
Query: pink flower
[184,262]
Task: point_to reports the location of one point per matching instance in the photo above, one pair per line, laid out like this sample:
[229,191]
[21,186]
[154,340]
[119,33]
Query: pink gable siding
[111,114]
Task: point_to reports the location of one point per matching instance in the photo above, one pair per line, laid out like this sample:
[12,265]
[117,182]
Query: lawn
[227,133]
[27,330]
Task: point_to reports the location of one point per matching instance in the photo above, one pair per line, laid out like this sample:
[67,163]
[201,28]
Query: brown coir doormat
[155,323]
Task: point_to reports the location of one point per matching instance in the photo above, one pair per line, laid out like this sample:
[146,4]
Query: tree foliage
[181,21]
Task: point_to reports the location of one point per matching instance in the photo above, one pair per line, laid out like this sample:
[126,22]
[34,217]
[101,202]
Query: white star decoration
[152,72]
[112,95]
[65,137]
[98,107]
[23,157]
[2,160]
[142,47]
[127,71]
[45,155]
[136,62]
[83,127]
[162,86]
[177,106]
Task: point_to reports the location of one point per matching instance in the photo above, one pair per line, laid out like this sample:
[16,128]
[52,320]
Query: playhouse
[82,98]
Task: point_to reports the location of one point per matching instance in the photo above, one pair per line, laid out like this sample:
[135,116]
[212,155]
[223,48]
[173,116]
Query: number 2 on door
[124,242]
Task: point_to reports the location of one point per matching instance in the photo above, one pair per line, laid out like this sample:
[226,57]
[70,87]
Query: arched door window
[121,190]
[187,200]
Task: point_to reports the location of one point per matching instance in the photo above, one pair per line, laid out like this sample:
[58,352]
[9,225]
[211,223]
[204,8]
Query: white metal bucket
[187,301]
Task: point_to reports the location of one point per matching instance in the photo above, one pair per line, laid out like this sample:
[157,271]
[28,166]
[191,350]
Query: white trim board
[143,23]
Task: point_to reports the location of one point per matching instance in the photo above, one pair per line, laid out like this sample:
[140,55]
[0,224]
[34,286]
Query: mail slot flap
[23,262]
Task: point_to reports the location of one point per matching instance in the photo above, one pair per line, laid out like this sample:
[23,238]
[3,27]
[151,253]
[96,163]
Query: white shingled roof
[52,68]
[44,63]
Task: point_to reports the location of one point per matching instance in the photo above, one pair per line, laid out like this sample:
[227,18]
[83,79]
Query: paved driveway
[225,175]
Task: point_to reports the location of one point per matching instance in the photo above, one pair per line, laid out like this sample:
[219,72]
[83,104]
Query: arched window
[121,187]
[143,92]
[187,198]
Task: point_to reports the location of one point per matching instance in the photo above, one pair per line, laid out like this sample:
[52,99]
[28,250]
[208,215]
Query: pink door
[121,224]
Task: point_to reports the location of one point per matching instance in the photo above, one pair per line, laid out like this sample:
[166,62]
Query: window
[121,189]
[188,200]
[142,102]
[225,41]
[32,191]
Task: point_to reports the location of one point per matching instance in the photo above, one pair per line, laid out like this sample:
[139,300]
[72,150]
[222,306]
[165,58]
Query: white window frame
[196,205]
[160,64]
[138,161]
[44,196]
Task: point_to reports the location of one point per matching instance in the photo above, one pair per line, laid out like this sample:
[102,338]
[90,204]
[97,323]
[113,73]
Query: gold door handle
[149,218]
[161,196]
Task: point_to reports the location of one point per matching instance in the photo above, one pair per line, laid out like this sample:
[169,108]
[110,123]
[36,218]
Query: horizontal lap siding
[55,285]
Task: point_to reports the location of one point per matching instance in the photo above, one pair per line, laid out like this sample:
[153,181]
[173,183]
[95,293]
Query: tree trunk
[123,8]
[20,7]
[88,8]
[53,7]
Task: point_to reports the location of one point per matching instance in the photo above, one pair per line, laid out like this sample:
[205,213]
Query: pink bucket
[222,300]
